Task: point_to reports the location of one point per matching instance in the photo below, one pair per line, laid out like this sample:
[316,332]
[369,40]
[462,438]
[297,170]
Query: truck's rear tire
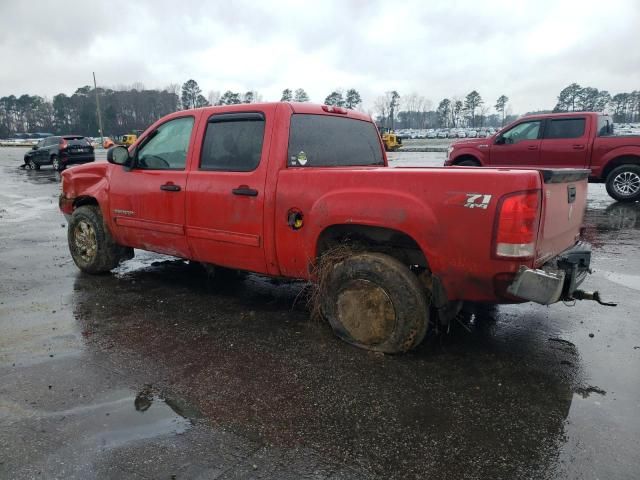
[374,301]
[90,243]
[623,183]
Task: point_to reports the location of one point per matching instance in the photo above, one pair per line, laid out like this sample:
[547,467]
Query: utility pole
[95,87]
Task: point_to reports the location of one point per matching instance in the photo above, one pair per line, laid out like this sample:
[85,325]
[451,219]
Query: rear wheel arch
[392,242]
[617,162]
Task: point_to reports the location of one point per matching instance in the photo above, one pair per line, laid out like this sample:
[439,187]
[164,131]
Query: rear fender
[390,210]
[615,158]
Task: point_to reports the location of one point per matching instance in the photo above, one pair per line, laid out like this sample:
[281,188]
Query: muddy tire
[90,243]
[373,301]
[623,183]
[56,164]
[32,165]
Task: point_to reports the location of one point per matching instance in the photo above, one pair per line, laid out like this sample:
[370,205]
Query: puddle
[142,260]
[133,418]
[117,418]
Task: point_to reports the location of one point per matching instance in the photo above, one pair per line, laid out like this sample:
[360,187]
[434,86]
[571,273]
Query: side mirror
[35,147]
[500,140]
[118,155]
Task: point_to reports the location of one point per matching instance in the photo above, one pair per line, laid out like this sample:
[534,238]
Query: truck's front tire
[374,301]
[623,183]
[90,243]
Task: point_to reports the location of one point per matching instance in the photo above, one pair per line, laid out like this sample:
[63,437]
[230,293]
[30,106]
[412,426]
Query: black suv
[59,152]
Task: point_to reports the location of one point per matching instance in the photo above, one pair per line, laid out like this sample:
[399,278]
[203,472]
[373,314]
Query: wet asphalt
[156,371]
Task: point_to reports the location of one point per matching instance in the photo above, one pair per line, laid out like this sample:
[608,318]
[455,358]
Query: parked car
[391,245]
[432,134]
[59,152]
[443,134]
[561,140]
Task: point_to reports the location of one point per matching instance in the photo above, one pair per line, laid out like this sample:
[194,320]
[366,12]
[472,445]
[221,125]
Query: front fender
[481,156]
[90,180]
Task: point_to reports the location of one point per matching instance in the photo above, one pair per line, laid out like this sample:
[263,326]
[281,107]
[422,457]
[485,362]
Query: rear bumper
[557,280]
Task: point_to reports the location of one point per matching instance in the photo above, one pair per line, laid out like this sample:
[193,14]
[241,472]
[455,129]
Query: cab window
[522,131]
[565,128]
[233,142]
[166,147]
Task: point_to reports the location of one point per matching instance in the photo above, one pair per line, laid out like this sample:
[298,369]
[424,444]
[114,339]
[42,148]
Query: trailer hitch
[595,296]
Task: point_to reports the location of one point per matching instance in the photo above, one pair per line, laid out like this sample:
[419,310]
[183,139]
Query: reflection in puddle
[127,418]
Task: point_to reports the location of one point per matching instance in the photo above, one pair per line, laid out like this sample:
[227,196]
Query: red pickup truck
[562,140]
[282,188]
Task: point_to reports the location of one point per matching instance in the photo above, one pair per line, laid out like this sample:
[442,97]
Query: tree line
[416,112]
[624,107]
[128,108]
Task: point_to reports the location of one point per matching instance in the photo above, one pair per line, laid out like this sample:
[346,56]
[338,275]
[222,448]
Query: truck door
[226,191]
[565,143]
[147,202]
[519,146]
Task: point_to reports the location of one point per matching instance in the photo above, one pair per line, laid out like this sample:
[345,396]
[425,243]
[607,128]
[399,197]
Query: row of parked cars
[446,132]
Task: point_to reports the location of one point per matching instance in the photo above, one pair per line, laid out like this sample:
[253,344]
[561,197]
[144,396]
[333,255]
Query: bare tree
[214,97]
[500,106]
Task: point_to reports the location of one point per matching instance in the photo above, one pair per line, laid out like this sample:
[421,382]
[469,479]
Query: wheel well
[465,157]
[80,201]
[616,162]
[378,239]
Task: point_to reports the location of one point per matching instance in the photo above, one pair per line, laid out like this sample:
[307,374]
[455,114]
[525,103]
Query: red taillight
[517,225]
[332,109]
[63,144]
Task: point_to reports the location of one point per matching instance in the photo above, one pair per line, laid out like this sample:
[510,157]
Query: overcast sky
[527,50]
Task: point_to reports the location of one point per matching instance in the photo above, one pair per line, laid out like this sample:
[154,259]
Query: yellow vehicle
[391,141]
[128,140]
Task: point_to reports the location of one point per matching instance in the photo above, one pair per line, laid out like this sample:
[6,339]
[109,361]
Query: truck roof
[296,107]
[564,114]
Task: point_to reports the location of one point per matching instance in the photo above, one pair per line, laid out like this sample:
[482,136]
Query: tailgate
[564,202]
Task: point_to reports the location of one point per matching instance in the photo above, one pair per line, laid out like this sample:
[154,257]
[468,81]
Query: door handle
[170,187]
[246,191]
[578,147]
[532,147]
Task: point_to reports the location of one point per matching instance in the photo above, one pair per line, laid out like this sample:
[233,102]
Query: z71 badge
[477,200]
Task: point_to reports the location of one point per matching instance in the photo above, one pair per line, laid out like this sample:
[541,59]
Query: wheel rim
[32,165]
[84,238]
[626,183]
[56,164]
[366,312]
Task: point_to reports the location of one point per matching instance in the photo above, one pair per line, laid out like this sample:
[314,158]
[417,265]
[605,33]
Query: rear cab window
[332,141]
[605,126]
[565,128]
